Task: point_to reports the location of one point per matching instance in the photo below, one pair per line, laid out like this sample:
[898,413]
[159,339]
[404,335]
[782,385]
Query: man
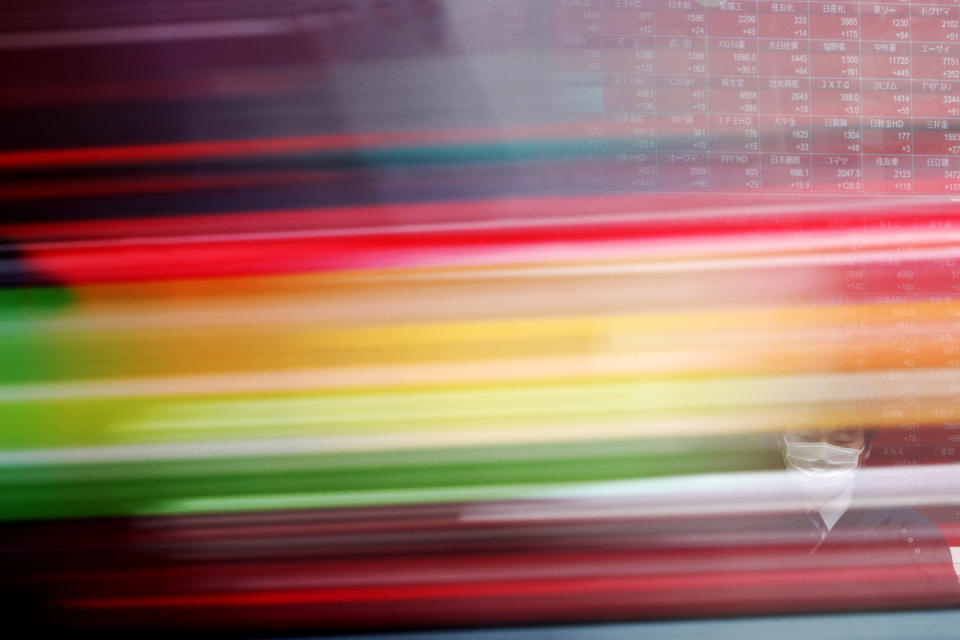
[854,530]
[822,465]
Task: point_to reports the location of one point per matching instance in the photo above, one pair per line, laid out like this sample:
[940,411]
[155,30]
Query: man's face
[847,438]
[823,462]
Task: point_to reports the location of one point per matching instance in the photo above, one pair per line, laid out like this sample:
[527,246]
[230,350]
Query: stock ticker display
[769,96]
[263,107]
[765,95]
[366,315]
[244,110]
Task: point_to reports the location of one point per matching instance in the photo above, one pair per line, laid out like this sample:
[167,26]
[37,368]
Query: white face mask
[820,469]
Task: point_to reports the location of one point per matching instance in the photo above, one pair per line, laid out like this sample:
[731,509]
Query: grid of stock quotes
[764,95]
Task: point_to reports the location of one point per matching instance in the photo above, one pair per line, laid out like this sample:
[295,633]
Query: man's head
[823,462]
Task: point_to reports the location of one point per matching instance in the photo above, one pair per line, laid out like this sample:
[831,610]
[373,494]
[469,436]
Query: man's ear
[868,437]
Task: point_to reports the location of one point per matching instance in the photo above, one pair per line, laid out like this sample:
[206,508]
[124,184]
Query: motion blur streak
[511,376]
[614,543]
[343,315]
[278,146]
[718,243]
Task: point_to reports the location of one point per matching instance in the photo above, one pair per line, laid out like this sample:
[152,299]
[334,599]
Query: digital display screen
[372,316]
[746,96]
[766,95]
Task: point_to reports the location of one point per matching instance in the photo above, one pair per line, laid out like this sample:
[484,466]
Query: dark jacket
[888,557]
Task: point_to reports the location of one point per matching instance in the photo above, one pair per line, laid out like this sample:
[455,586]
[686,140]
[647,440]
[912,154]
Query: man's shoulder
[898,521]
[903,515]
